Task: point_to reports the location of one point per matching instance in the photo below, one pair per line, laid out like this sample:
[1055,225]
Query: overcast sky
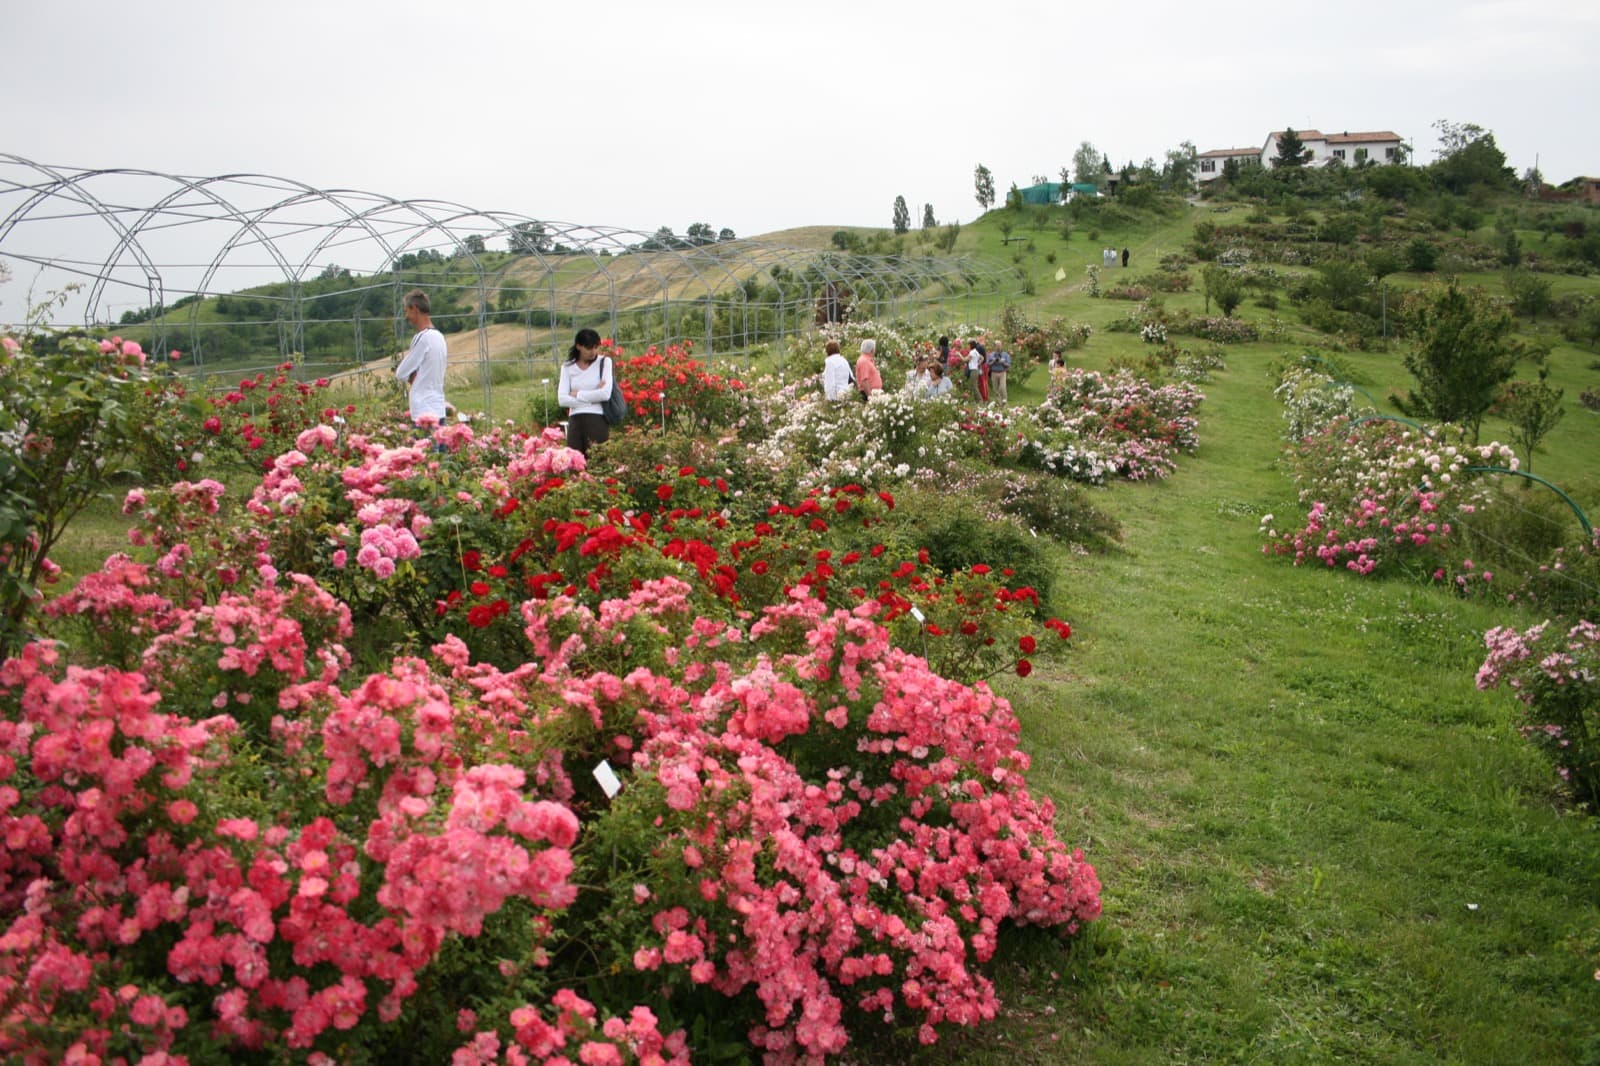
[760,116]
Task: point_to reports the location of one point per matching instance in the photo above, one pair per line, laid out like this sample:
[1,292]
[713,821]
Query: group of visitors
[929,379]
[839,382]
[982,370]
[1108,258]
[587,377]
[987,370]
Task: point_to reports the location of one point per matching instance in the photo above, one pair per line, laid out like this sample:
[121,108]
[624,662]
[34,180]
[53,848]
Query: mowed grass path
[1318,840]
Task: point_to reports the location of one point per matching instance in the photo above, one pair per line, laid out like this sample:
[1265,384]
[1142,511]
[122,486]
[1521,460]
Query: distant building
[1046,192]
[1348,149]
[1053,192]
[1212,162]
[1589,190]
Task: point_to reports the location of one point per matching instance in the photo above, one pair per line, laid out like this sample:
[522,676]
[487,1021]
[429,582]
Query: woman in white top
[587,379]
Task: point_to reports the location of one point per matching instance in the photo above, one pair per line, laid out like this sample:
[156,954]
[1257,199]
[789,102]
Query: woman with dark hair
[587,379]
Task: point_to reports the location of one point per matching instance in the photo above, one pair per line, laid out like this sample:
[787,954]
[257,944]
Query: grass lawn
[1318,840]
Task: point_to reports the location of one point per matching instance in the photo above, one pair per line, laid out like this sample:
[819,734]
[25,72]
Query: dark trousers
[584,430]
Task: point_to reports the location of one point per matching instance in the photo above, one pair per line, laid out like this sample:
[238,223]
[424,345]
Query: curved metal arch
[1418,426]
[296,226]
[334,197]
[1583,519]
[102,210]
[185,185]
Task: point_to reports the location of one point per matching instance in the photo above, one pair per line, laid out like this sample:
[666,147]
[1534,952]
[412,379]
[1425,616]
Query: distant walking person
[587,379]
[1124,259]
[422,369]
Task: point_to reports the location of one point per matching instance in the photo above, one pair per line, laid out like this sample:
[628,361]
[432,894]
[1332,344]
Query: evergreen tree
[902,215]
[983,184]
[928,221]
[1463,355]
[1292,152]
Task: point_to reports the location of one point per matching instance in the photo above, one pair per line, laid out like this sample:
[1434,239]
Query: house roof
[1222,153]
[1363,138]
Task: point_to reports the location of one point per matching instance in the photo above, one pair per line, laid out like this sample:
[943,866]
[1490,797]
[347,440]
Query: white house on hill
[1350,149]
[1212,162]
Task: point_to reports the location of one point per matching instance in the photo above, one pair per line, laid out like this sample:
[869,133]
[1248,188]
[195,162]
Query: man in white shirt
[422,369]
[838,383]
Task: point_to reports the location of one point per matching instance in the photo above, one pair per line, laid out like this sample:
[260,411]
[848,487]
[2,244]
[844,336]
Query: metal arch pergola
[251,267]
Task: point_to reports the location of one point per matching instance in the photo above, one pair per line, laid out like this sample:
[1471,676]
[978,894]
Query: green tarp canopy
[1046,193]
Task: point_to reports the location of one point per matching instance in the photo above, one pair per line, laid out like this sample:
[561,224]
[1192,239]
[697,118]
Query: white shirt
[583,391]
[426,359]
[974,360]
[837,380]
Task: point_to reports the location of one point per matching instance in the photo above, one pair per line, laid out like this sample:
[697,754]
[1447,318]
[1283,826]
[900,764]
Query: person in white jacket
[422,369]
[587,379]
[838,383]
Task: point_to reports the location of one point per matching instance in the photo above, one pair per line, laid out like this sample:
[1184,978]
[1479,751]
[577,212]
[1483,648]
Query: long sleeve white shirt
[836,378]
[582,391]
[427,360]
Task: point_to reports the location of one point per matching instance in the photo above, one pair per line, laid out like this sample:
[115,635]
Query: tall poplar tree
[983,184]
[902,215]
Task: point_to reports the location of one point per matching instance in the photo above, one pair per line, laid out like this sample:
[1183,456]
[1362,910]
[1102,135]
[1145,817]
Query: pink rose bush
[1383,495]
[312,770]
[1556,678]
